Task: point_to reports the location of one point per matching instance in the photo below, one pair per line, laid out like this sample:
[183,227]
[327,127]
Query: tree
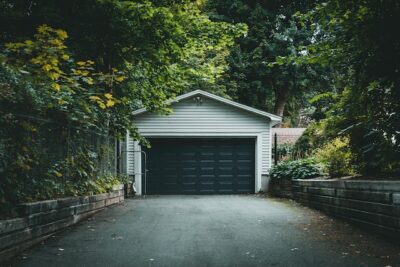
[168,46]
[253,78]
[87,65]
[357,39]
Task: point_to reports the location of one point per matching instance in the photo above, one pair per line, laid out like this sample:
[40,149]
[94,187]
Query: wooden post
[276,149]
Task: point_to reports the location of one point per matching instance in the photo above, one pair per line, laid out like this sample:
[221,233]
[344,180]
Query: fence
[32,148]
[284,140]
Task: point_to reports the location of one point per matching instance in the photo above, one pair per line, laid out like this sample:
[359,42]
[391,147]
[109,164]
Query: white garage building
[208,145]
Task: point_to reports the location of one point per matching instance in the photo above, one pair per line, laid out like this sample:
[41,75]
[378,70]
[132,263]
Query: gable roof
[274,118]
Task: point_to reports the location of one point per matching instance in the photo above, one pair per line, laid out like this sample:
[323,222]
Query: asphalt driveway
[211,231]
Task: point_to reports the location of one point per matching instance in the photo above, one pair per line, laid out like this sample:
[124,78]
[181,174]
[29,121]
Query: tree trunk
[282,96]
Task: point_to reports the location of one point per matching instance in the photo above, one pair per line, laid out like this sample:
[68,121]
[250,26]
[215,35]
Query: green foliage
[285,151]
[314,137]
[296,169]
[163,47]
[132,54]
[44,92]
[336,157]
[253,77]
[355,39]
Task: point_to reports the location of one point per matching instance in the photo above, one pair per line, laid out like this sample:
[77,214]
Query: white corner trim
[258,163]
[138,168]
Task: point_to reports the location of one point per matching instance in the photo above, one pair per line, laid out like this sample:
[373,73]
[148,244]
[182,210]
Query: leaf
[110,103]
[56,87]
[120,78]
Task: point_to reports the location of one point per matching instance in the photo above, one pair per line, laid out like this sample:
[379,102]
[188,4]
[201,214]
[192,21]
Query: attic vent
[198,100]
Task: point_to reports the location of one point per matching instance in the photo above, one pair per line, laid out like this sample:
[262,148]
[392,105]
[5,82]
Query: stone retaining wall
[281,188]
[39,220]
[371,204]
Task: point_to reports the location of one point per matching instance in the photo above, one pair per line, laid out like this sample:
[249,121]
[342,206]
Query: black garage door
[200,166]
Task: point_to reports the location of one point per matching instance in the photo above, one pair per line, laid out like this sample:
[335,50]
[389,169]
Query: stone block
[90,206]
[302,182]
[374,207]
[381,197]
[321,191]
[68,202]
[328,183]
[50,216]
[396,198]
[99,197]
[296,188]
[359,215]
[11,225]
[111,201]
[84,200]
[36,207]
[390,186]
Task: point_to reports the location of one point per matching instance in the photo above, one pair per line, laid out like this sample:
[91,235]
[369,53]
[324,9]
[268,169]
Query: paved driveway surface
[211,231]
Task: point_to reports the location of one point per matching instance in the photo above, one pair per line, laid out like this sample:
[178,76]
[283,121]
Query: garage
[200,166]
[207,145]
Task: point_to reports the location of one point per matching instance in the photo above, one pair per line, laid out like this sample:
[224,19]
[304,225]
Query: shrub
[313,137]
[296,169]
[284,151]
[336,157]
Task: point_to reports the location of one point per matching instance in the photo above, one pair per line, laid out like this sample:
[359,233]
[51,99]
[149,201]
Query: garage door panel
[200,166]
[189,170]
[225,168]
[225,161]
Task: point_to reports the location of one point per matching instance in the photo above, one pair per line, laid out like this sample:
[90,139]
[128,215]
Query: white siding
[130,156]
[210,118]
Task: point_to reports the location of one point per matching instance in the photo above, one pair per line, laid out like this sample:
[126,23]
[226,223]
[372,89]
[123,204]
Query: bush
[296,169]
[336,157]
[313,137]
[284,151]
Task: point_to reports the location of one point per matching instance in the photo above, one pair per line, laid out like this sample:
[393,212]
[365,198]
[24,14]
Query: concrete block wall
[281,188]
[39,220]
[374,205]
